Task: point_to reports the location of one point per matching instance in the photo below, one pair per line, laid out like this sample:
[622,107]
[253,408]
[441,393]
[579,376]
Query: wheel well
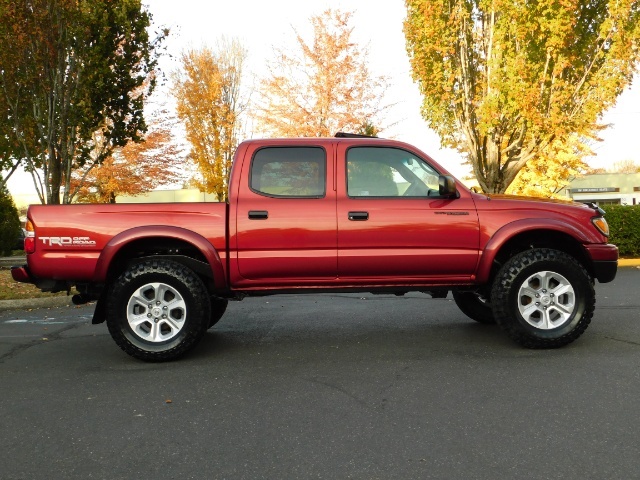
[541,239]
[178,250]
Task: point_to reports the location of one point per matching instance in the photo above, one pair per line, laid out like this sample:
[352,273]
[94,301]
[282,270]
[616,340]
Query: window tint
[289,172]
[389,172]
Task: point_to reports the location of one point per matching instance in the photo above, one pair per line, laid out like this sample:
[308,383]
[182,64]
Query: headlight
[601,224]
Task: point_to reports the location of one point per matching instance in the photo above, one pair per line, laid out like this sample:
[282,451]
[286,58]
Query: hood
[502,196]
[536,203]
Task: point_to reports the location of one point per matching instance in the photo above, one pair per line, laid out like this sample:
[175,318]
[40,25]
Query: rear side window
[298,172]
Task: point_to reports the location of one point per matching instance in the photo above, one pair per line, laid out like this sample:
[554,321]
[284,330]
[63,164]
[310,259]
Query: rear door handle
[258,214]
[358,216]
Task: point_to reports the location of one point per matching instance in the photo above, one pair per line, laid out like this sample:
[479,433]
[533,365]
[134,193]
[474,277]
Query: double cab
[309,215]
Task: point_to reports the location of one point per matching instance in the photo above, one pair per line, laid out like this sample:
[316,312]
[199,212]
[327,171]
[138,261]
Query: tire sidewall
[574,275]
[145,273]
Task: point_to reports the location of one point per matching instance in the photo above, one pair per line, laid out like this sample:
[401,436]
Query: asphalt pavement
[324,386]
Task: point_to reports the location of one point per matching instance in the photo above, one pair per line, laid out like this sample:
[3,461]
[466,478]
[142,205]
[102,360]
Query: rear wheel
[543,298]
[158,310]
[474,306]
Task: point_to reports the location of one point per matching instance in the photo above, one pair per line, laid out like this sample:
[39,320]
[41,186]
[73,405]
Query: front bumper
[604,258]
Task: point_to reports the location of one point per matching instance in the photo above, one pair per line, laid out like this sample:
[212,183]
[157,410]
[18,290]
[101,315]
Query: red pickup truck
[324,215]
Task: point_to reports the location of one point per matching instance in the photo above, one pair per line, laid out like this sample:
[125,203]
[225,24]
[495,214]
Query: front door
[393,225]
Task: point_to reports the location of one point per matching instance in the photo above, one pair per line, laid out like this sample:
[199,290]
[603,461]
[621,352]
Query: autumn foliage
[68,73]
[316,88]
[132,170]
[507,82]
[549,173]
[207,90]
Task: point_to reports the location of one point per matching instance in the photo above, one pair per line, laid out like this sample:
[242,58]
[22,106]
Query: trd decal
[68,241]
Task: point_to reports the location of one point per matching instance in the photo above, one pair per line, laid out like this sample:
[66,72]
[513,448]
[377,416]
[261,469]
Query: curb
[629,262]
[29,303]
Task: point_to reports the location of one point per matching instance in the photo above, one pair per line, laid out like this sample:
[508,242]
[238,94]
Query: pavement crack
[629,342]
[18,349]
[345,392]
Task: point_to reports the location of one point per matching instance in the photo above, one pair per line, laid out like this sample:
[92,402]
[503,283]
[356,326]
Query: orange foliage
[323,87]
[132,170]
[207,90]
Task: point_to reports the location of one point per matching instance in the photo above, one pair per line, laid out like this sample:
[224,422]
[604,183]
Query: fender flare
[124,238]
[510,230]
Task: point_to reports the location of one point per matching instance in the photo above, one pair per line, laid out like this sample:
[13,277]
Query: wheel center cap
[156,311]
[545,300]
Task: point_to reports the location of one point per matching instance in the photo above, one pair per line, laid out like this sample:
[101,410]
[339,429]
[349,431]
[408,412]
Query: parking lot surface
[324,386]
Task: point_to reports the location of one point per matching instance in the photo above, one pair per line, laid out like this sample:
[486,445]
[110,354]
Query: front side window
[389,172]
[298,172]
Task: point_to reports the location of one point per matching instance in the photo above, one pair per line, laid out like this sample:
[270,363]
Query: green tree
[9,222]
[70,80]
[504,80]
[321,86]
[210,102]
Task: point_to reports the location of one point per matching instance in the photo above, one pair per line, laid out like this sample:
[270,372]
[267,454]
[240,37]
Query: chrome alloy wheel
[156,312]
[546,300]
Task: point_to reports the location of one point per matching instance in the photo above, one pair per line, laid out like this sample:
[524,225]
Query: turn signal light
[30,238]
[601,224]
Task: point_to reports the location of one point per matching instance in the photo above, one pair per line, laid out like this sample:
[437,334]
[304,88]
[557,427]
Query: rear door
[286,216]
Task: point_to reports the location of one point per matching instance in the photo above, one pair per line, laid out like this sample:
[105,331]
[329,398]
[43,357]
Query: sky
[262,24]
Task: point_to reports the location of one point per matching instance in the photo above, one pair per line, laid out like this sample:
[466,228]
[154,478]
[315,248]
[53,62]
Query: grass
[12,290]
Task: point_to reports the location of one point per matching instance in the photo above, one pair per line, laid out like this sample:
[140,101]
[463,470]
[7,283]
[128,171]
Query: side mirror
[447,186]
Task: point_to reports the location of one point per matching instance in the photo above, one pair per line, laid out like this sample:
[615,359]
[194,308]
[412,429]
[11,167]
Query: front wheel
[543,298]
[158,310]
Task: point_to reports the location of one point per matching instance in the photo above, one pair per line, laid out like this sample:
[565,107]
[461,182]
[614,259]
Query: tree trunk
[53,193]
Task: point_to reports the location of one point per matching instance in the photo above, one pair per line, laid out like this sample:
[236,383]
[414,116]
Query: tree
[502,80]
[70,82]
[9,222]
[323,86]
[625,166]
[209,101]
[552,170]
[131,170]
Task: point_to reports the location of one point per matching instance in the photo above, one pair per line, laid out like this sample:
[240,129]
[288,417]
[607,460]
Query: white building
[606,189]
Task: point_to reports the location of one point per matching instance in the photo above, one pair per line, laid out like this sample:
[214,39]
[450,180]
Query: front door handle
[358,216]
[258,214]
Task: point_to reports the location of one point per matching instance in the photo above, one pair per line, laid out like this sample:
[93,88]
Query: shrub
[624,225]
[9,222]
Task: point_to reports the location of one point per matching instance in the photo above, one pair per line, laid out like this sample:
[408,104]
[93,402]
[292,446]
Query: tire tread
[505,281]
[174,269]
